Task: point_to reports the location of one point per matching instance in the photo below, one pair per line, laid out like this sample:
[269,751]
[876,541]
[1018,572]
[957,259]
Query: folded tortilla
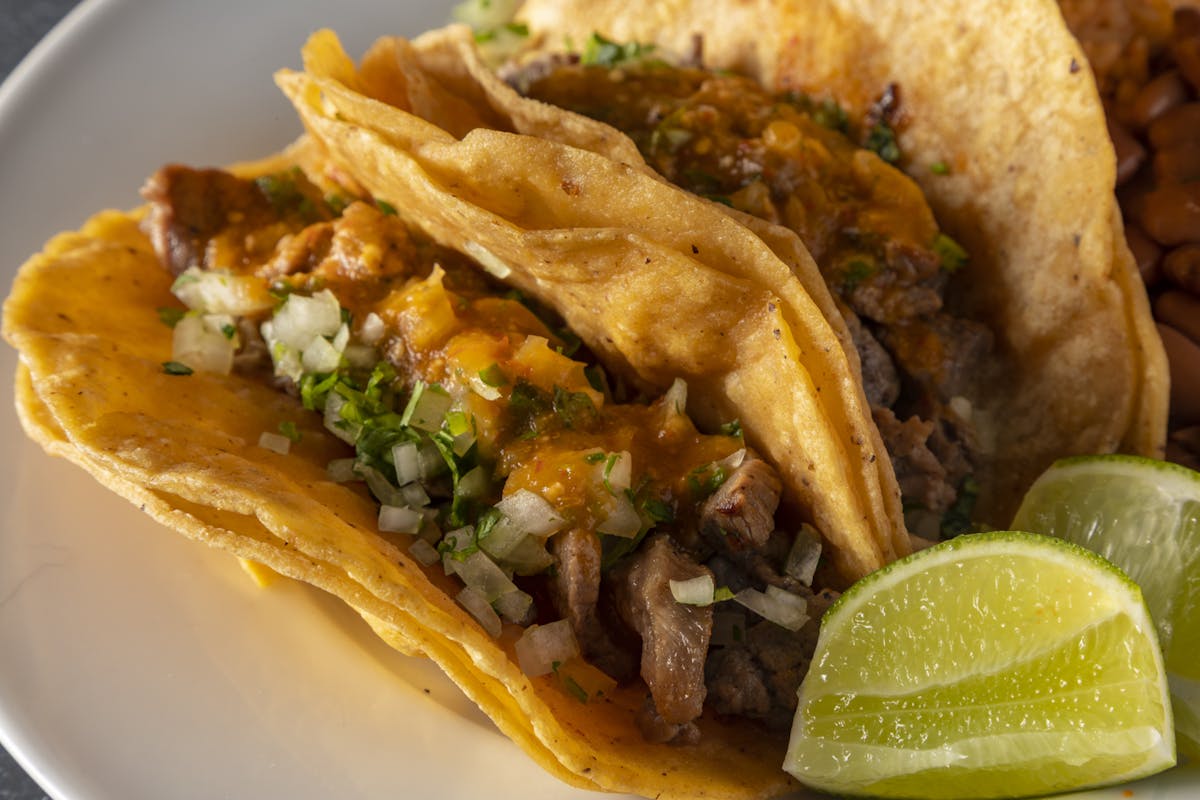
[1013,109]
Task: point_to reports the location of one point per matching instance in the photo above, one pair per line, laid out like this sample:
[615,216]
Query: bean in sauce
[1153,104]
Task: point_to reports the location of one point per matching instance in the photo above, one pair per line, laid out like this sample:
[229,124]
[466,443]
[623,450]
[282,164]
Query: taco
[356,387]
[983,361]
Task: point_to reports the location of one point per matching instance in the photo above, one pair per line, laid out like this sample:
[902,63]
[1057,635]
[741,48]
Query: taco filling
[792,161]
[623,540]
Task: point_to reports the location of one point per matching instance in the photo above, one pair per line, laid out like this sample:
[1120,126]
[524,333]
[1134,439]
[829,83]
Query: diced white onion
[732,461]
[424,552]
[615,471]
[543,646]
[513,606]
[480,609]
[804,556]
[481,573]
[462,443]
[380,486]
[622,519]
[459,539]
[399,519]
[320,356]
[301,319]
[360,355]
[961,406]
[783,608]
[286,359]
[676,397]
[696,591]
[529,557]
[430,409]
[414,495]
[343,429]
[341,338]
[372,329]
[217,292]
[341,470]
[482,389]
[531,513]
[406,456]
[431,531]
[432,462]
[275,442]
[199,342]
[490,262]
[502,539]
[474,484]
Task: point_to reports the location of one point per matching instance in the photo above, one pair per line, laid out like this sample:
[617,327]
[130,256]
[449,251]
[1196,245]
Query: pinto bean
[1165,92]
[1171,214]
[1185,44]
[1180,124]
[1146,253]
[1181,311]
[1130,152]
[1183,358]
[1178,164]
[1182,268]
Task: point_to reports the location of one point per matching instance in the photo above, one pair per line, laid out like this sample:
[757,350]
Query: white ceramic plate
[134,663]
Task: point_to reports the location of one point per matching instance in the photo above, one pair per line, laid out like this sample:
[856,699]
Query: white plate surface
[134,663]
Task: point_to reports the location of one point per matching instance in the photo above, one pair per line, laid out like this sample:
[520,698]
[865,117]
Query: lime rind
[841,744]
[945,551]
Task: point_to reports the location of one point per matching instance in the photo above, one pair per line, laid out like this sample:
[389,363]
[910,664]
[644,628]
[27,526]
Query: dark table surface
[22,24]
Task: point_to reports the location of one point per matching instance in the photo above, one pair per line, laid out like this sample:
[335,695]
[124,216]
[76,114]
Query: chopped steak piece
[575,586]
[674,636]
[740,514]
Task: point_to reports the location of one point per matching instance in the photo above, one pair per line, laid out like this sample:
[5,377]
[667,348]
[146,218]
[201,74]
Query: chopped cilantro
[939,168]
[337,204]
[950,252]
[386,207]
[493,376]
[170,316]
[573,408]
[856,271]
[283,192]
[574,688]
[732,428]
[882,139]
[706,479]
[602,52]
[229,330]
[658,510]
[828,114]
[289,429]
[176,368]
[958,518]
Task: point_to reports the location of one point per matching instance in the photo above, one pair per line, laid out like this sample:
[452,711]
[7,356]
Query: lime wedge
[1144,516]
[992,665]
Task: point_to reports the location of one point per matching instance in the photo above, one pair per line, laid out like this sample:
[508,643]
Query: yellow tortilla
[91,388]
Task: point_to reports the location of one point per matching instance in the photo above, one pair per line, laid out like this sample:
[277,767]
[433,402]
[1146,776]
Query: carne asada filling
[496,453]
[789,160]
